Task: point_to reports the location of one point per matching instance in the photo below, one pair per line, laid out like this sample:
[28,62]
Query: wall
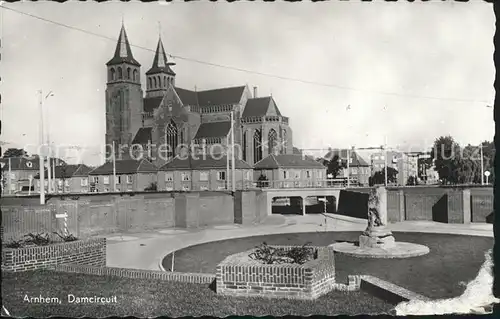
[91,214]
[90,252]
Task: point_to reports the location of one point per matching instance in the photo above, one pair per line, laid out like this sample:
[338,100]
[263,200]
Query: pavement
[145,250]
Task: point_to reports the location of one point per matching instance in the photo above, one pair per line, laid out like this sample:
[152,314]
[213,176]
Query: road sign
[61,215]
[487,173]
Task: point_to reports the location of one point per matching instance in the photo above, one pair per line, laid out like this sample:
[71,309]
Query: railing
[265,119]
[309,183]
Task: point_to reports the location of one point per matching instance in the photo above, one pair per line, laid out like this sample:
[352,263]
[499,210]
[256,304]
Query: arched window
[165,81]
[172,141]
[283,139]
[272,141]
[159,81]
[120,73]
[154,83]
[112,74]
[245,146]
[129,74]
[257,146]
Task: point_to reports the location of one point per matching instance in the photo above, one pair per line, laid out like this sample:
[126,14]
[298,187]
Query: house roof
[151,103]
[259,107]
[126,166]
[160,62]
[20,163]
[123,54]
[213,129]
[209,162]
[68,171]
[143,136]
[287,161]
[230,95]
[357,160]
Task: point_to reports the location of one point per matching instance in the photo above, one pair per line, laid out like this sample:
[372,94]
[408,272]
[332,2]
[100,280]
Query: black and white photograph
[247,159]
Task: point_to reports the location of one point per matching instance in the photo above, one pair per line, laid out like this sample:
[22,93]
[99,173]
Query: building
[203,173]
[405,163]
[69,179]
[18,174]
[358,171]
[290,170]
[131,175]
[172,118]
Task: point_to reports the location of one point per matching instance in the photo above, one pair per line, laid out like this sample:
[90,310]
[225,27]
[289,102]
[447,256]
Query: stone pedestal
[377,237]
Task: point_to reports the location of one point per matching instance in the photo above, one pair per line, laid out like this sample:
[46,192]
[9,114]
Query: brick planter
[239,275]
[90,252]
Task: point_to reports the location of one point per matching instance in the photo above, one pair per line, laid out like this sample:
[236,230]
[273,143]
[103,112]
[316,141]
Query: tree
[488,161]
[334,166]
[152,187]
[412,180]
[445,155]
[14,152]
[379,176]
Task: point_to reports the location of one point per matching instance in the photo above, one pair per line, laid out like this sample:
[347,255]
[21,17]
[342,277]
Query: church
[169,115]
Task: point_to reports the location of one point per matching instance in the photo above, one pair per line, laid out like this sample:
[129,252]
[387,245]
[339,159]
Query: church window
[129,74]
[283,144]
[159,81]
[172,138]
[150,83]
[245,145]
[165,81]
[136,76]
[120,73]
[113,74]
[272,141]
[257,146]
[154,83]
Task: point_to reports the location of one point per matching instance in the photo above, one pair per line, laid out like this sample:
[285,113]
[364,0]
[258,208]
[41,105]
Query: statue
[376,234]
[374,218]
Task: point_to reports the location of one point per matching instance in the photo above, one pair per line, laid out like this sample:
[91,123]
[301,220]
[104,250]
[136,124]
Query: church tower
[123,96]
[160,77]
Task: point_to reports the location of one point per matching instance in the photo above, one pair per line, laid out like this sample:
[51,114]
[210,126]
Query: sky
[360,72]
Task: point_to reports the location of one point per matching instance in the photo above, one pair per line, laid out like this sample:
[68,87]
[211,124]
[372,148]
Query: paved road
[145,250]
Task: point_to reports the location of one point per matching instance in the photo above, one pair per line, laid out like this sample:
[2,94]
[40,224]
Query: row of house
[202,173]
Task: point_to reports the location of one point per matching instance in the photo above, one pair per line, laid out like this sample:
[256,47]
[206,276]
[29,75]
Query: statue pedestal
[377,237]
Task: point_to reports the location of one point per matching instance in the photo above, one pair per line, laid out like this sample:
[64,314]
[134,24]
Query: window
[354,170]
[136,76]
[169,177]
[221,176]
[297,174]
[106,180]
[185,177]
[150,82]
[257,146]
[203,176]
[286,175]
[272,141]
[120,74]
[172,139]
[84,182]
[320,174]
[112,74]
[308,174]
[129,179]
[118,180]
[245,145]
[129,73]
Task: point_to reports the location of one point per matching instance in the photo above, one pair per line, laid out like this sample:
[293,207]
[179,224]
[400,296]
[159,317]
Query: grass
[152,298]
[453,259]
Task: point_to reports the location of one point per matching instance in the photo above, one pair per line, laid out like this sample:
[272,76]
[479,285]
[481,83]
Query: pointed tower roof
[160,62]
[123,53]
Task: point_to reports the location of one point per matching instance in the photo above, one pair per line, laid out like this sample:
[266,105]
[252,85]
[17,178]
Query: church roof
[287,161]
[231,95]
[128,166]
[259,107]
[160,62]
[208,162]
[142,136]
[151,103]
[213,129]
[123,53]
[187,97]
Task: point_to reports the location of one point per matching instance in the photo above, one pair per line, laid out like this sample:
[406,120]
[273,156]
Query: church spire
[123,53]
[160,61]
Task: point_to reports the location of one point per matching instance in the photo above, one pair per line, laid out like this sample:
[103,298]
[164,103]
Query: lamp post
[482,164]
[49,186]
[40,156]
[348,170]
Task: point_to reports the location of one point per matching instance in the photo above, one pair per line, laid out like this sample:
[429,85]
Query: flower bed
[90,252]
[240,275]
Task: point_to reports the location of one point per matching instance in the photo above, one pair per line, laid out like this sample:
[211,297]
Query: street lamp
[49,179]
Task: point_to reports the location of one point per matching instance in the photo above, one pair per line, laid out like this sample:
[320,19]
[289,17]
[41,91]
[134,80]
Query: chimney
[254,92]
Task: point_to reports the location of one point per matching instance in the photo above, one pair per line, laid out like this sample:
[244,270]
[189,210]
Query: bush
[271,255]
[152,187]
[37,239]
[66,238]
[15,244]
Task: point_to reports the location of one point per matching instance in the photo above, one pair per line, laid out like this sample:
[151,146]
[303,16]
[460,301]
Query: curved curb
[401,250]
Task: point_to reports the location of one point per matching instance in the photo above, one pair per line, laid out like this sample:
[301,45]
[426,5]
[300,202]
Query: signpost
[323,199]
[487,174]
[65,216]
